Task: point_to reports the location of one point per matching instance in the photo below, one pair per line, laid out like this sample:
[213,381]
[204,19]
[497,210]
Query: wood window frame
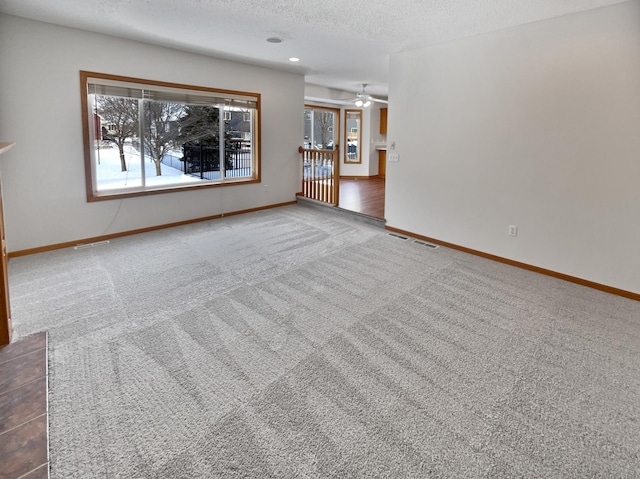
[346,133]
[88,127]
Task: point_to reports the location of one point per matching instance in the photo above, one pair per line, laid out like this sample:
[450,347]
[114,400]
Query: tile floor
[23,409]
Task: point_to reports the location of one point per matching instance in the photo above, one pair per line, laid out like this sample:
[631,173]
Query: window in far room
[320,125]
[145,137]
[352,131]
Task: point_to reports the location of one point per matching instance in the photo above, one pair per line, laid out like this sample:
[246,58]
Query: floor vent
[395,235]
[90,245]
[424,243]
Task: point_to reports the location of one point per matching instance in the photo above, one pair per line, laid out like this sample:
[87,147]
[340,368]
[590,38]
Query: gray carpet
[295,342]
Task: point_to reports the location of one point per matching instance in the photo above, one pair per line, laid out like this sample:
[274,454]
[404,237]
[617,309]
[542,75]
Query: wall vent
[395,235]
[424,243]
[90,245]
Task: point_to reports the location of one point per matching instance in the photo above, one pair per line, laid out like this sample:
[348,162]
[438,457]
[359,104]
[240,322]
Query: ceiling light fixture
[363,102]
[275,40]
[294,59]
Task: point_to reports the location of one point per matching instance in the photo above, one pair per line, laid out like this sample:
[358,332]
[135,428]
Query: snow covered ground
[111,177]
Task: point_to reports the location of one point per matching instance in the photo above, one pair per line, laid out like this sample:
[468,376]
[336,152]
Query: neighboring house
[103,131]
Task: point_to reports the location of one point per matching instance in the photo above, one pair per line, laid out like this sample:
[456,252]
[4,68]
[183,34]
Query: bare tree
[160,129]
[122,116]
[325,121]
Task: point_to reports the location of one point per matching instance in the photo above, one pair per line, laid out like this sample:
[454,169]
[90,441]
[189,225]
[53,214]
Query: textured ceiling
[341,44]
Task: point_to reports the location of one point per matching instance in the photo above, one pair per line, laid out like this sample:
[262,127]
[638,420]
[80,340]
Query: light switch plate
[394,157]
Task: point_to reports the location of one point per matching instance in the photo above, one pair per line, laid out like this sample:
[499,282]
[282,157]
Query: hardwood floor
[23,409]
[363,195]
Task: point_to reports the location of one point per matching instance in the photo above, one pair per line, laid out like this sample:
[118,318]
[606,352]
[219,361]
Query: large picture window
[145,137]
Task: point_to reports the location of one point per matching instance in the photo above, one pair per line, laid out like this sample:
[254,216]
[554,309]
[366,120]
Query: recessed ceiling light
[275,40]
[294,59]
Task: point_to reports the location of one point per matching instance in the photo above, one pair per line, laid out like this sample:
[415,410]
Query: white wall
[375,138]
[43,175]
[536,126]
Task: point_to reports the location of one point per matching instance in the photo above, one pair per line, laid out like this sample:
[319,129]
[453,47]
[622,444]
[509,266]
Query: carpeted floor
[295,342]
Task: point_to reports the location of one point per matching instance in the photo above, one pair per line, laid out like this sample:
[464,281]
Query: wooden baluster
[331,178]
[322,176]
[334,168]
[327,163]
[310,180]
[314,171]
[327,183]
[320,181]
[327,174]
[304,178]
[310,174]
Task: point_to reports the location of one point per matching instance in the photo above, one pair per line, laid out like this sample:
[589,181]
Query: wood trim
[6,329]
[257,140]
[173,189]
[95,239]
[107,76]
[5,308]
[86,135]
[529,267]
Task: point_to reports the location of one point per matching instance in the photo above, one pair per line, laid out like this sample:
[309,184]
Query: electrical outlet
[513,230]
[266,187]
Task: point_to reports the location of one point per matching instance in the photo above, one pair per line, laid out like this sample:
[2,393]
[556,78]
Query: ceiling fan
[363,99]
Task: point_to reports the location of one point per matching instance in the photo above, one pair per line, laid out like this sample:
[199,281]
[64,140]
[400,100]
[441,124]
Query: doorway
[363,195]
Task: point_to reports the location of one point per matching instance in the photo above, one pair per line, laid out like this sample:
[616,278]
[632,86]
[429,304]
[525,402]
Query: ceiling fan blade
[379,100]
